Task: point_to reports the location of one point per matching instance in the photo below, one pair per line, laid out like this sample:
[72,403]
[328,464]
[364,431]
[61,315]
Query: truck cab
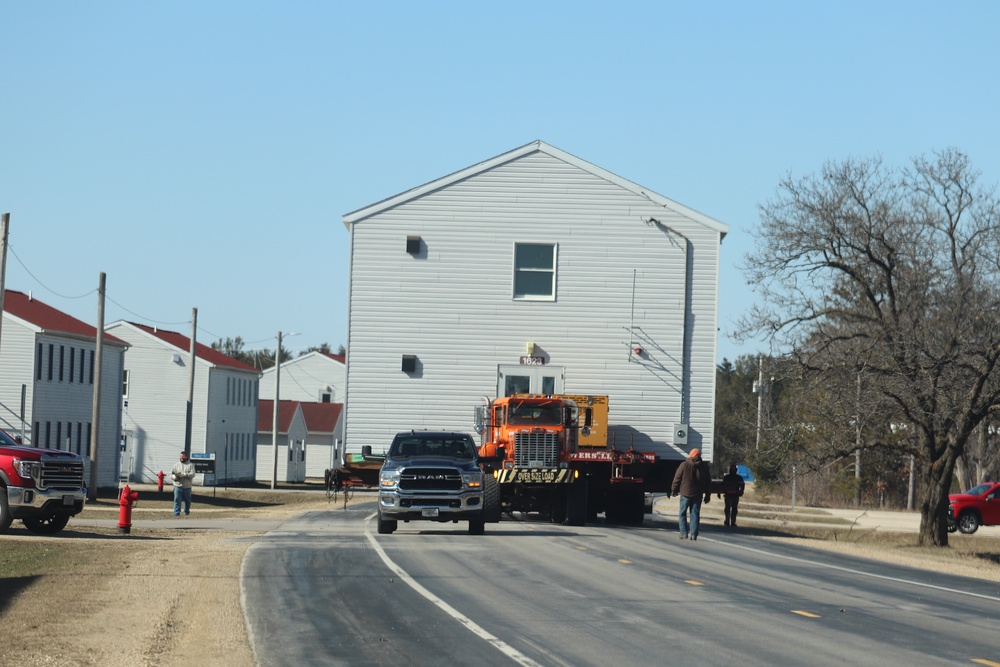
[435,476]
[41,487]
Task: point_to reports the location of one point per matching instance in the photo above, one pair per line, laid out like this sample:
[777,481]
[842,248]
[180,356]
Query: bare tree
[893,273]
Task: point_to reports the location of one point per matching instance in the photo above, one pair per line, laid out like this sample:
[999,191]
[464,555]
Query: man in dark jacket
[692,481]
[732,488]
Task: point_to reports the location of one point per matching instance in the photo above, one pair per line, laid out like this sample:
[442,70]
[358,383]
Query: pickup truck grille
[536,450]
[60,474]
[430,479]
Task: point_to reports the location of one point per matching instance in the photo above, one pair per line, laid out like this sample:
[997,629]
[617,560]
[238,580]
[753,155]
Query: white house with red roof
[47,375]
[309,436]
[286,459]
[324,434]
[314,377]
[155,395]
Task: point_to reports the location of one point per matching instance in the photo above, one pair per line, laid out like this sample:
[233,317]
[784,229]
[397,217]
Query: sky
[201,154]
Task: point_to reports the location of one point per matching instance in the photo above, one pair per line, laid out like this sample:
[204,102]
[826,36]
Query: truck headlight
[26,469]
[473,480]
[388,478]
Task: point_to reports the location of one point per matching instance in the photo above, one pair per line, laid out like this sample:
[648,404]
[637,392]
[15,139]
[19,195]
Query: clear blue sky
[201,154]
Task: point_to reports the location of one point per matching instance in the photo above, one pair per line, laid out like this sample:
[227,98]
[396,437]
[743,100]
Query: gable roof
[203,352]
[265,415]
[336,358]
[321,417]
[46,319]
[527,149]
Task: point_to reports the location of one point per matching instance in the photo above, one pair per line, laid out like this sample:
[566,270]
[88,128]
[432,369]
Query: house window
[535,271]
[91,367]
[51,357]
[125,383]
[72,363]
[62,361]
[38,363]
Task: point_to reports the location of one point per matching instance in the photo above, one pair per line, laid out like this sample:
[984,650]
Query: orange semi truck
[551,455]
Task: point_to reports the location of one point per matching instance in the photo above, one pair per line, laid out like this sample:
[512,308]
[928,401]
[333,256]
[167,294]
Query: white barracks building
[532,271]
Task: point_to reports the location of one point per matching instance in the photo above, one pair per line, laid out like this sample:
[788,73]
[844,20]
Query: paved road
[325,590]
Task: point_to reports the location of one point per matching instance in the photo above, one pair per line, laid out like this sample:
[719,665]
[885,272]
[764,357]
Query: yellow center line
[805,613]
[582,548]
[693,583]
[988,663]
[625,561]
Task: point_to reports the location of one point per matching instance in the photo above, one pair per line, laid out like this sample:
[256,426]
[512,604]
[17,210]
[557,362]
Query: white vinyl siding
[307,378]
[156,419]
[624,278]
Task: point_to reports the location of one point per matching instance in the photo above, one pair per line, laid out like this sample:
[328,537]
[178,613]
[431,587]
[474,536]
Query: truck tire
[491,499]
[385,526]
[576,506]
[49,525]
[477,526]
[560,505]
[968,523]
[5,517]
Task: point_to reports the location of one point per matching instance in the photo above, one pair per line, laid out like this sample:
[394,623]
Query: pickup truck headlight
[388,478]
[473,480]
[26,469]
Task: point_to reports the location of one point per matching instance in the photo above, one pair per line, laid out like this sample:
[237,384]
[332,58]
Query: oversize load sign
[535,476]
[203,463]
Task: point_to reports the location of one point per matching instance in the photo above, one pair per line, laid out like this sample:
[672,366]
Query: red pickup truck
[41,487]
[979,506]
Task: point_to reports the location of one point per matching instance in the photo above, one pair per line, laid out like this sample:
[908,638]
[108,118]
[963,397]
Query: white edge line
[468,623]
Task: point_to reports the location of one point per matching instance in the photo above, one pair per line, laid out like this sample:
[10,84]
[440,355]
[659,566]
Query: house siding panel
[452,305]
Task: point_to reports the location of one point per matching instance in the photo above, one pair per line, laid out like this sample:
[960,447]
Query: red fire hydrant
[126,501]
[159,481]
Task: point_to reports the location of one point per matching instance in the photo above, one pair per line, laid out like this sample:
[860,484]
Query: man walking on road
[182,475]
[733,486]
[692,481]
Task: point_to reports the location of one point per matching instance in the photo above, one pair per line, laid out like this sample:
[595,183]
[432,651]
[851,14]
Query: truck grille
[536,450]
[430,479]
[57,473]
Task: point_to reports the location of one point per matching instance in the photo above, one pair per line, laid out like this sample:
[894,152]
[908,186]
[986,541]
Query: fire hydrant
[159,481]
[126,501]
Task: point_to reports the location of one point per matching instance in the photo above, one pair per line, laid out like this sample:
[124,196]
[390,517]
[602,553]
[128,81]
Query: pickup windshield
[462,448]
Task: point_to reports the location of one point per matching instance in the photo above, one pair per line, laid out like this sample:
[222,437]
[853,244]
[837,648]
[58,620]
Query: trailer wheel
[491,499]
[576,507]
[49,525]
[5,517]
[385,526]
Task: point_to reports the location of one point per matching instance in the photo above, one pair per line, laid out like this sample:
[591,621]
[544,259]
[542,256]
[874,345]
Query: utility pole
[759,389]
[4,226]
[95,420]
[190,396]
[857,444]
[274,425]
